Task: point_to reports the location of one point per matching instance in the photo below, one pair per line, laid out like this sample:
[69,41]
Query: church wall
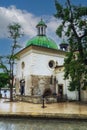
[37,73]
[40,83]
[17,86]
[84,95]
[36,84]
[71,95]
[36,62]
[40,63]
[22,72]
[65,83]
[28,85]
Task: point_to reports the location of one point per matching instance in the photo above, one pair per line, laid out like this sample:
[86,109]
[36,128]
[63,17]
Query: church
[40,69]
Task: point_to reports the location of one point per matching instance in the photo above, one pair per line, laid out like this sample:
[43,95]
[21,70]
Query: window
[51,64]
[23,65]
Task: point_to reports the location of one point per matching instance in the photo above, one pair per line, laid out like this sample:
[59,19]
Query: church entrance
[60,92]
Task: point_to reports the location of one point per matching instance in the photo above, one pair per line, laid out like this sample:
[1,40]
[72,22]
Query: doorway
[60,90]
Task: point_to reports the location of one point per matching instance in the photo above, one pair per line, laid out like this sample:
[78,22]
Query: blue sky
[28,13]
[37,7]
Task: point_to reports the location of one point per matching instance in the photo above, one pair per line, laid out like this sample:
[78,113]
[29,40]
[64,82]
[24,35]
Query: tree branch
[72,19]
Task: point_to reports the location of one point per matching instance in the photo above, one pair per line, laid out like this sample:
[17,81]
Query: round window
[51,64]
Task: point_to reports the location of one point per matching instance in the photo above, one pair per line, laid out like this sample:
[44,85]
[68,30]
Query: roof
[41,23]
[40,49]
[42,41]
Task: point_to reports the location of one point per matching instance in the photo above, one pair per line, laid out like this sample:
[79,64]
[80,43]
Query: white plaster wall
[40,63]
[24,73]
[70,95]
[36,63]
[60,77]
[84,95]
[27,59]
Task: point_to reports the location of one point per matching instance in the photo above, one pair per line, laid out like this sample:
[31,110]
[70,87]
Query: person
[22,85]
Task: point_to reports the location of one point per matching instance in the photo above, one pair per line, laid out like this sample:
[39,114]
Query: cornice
[40,50]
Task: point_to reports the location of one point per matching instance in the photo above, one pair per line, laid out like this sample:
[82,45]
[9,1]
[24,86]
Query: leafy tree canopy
[74,27]
[3,79]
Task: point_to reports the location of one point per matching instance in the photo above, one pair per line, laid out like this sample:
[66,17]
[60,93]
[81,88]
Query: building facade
[40,67]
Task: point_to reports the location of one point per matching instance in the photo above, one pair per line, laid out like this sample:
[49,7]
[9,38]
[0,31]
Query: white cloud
[27,20]
[11,14]
[52,26]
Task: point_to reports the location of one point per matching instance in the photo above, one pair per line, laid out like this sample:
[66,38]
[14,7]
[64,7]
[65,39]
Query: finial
[41,19]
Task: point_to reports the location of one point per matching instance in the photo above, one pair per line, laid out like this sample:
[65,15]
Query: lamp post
[43,103]
[43,106]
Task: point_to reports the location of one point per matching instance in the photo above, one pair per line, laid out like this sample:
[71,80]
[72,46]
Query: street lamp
[43,103]
[43,106]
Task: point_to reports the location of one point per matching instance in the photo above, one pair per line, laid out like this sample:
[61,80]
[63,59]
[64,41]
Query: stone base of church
[36,99]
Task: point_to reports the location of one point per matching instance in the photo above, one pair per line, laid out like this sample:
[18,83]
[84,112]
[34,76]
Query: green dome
[42,41]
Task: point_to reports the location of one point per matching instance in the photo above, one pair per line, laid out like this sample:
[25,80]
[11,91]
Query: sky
[28,13]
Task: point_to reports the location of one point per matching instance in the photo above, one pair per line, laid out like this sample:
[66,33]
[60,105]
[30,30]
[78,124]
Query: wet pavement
[69,110]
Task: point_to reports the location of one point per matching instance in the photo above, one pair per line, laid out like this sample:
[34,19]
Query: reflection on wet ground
[17,116]
[37,124]
[54,108]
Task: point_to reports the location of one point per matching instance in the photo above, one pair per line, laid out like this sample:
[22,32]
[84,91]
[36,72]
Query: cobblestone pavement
[55,110]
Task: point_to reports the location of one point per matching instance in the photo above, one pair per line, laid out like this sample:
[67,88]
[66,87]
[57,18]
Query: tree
[14,33]
[4,74]
[3,80]
[74,27]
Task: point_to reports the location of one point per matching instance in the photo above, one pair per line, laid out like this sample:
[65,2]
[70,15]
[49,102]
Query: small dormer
[64,46]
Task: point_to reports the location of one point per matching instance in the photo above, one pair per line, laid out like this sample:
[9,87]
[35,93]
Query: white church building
[40,69]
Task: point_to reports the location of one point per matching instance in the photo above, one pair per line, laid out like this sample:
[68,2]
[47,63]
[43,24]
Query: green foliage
[59,30]
[59,13]
[74,26]
[72,85]
[79,11]
[7,62]
[4,78]
[72,17]
[15,30]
